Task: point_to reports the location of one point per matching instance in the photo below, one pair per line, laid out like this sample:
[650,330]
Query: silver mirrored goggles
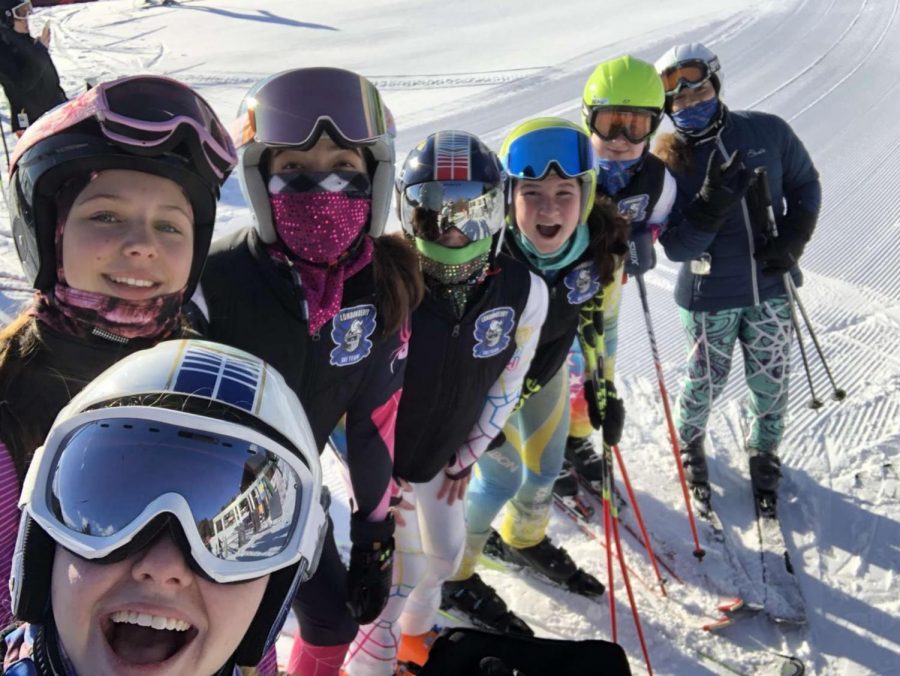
[246,504]
[476,209]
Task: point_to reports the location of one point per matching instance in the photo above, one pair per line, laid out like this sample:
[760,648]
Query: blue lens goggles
[533,154]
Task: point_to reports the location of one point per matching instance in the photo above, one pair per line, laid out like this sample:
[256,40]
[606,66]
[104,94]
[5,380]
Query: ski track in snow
[830,68]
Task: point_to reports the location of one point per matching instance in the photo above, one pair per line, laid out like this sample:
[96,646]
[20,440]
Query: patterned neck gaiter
[87,313]
[696,118]
[320,219]
[614,175]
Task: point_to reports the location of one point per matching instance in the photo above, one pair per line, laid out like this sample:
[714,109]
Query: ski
[783,599]
[786,665]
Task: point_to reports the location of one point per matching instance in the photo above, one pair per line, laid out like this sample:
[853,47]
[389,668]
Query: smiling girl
[127,564]
[113,199]
[576,246]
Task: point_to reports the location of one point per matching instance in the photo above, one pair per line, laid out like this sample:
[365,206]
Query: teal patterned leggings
[764,332]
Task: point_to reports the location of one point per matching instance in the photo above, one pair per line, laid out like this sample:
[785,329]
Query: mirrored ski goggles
[292,108]
[476,209]
[22,11]
[687,74]
[246,505]
[636,125]
[533,154]
[144,113]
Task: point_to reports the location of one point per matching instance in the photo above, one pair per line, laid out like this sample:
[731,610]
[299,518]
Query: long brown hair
[609,237]
[398,281]
[18,342]
[675,152]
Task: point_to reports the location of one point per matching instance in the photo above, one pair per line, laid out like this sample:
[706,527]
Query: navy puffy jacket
[736,278]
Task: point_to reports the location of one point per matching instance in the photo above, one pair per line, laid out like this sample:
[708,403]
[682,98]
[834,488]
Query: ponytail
[398,281]
[609,237]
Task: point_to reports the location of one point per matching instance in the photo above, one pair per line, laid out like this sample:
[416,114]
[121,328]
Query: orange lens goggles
[691,74]
[634,125]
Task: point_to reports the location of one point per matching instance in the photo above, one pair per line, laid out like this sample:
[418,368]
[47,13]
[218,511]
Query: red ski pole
[640,519]
[610,588]
[627,581]
[699,552]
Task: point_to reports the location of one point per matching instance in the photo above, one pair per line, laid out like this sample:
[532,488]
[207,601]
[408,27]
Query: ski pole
[5,147]
[699,552]
[607,532]
[640,519]
[614,518]
[762,180]
[814,402]
[837,393]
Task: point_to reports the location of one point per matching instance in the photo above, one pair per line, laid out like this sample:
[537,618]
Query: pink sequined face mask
[318,215]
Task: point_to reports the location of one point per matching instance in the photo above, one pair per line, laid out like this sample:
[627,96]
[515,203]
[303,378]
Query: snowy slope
[828,66]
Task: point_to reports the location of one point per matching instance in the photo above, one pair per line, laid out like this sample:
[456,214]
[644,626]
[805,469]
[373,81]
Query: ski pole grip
[762,181]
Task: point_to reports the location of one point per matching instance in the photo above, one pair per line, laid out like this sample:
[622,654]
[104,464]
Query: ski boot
[696,473]
[566,484]
[552,562]
[481,603]
[588,464]
[765,473]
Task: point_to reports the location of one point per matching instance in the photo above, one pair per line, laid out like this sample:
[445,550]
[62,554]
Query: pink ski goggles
[149,114]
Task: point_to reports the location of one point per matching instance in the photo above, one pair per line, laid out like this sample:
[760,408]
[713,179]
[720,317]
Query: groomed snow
[828,66]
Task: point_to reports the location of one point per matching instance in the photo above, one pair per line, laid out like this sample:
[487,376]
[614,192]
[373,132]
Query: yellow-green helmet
[625,83]
[534,148]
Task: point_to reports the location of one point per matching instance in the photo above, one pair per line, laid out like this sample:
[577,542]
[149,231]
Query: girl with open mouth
[129,565]
[577,247]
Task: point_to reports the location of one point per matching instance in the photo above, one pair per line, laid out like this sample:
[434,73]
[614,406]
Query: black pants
[321,601]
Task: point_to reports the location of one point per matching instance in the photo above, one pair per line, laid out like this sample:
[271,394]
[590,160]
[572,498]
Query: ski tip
[731,605]
[717,625]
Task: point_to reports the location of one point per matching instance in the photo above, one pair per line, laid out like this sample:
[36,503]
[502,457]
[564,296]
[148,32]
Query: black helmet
[72,140]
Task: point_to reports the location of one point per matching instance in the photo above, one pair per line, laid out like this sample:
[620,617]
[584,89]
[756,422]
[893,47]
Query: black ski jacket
[346,368]
[28,77]
[465,375]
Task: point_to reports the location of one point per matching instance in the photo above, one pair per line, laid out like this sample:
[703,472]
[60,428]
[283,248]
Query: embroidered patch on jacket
[492,331]
[583,282]
[634,208]
[350,331]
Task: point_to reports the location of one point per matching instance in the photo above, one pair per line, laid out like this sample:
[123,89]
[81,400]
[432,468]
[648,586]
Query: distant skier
[621,106]
[731,286]
[27,73]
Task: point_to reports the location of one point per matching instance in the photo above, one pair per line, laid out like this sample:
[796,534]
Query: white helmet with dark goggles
[202,440]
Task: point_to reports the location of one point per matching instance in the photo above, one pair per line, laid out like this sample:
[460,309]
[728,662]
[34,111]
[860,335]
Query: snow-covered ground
[828,66]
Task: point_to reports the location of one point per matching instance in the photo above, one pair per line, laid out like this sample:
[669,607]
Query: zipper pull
[455,332]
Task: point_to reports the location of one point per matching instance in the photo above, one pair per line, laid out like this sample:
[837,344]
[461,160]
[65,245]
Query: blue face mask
[696,117]
[613,175]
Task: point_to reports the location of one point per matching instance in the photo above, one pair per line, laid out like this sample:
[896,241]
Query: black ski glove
[779,254]
[641,256]
[369,575]
[613,416]
[724,186]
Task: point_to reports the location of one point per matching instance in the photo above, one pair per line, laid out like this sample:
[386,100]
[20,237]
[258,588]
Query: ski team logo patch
[492,331]
[582,282]
[634,208]
[350,331]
